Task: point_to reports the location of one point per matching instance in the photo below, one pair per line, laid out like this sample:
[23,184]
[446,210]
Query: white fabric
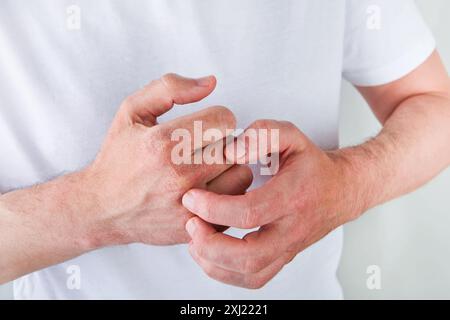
[60,88]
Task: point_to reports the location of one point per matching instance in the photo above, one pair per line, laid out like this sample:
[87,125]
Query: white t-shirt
[65,69]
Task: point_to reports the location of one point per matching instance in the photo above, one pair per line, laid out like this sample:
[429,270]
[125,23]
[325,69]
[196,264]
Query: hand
[137,188]
[306,199]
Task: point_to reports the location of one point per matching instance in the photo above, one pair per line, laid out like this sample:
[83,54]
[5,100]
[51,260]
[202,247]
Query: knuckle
[153,83]
[225,116]
[169,80]
[262,124]
[169,83]
[255,283]
[172,85]
[221,117]
[292,128]
[129,102]
[289,125]
[166,98]
[254,265]
[250,217]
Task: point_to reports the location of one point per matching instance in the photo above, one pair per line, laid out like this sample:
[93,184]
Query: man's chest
[62,82]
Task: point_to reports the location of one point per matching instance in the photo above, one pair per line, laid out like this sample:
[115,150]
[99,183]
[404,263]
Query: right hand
[137,189]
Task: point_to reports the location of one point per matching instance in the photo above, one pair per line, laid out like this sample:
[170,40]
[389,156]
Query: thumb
[199,230]
[158,97]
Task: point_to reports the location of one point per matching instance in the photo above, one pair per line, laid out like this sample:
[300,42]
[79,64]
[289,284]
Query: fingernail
[190,227]
[188,201]
[204,82]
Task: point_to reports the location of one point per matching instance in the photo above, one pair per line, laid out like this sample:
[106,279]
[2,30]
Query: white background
[407,238]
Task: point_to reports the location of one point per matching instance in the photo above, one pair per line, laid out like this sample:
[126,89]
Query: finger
[253,253]
[256,208]
[200,158]
[234,181]
[202,128]
[158,97]
[264,137]
[249,281]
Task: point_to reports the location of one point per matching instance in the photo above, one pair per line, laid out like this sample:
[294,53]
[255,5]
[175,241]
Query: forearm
[44,225]
[412,148]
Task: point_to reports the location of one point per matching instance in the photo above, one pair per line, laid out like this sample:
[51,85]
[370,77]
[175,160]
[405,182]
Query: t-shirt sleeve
[384,41]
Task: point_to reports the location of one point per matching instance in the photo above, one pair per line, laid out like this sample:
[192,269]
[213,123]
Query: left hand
[310,195]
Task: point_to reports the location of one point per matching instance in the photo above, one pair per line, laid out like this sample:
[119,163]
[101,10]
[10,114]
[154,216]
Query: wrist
[83,209]
[354,195]
[96,213]
[73,199]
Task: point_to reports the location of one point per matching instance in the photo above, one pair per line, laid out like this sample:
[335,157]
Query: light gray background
[407,238]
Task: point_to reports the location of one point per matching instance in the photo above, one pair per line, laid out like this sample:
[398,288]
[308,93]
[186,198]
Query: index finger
[253,209]
[203,127]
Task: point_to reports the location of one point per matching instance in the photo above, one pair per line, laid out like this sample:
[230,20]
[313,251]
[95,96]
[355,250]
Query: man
[118,226]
